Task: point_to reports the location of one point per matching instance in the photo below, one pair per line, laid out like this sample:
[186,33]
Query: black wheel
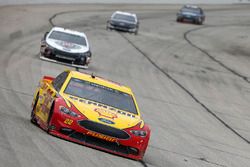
[199,21]
[83,61]
[32,115]
[49,118]
[179,19]
[136,31]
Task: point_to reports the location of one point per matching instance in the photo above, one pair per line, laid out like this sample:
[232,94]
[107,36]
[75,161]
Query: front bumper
[63,63]
[188,17]
[122,28]
[133,147]
[51,54]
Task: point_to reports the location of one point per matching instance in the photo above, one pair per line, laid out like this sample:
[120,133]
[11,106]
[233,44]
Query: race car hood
[67,46]
[104,115]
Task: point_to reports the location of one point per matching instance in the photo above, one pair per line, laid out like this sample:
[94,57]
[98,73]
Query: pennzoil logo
[105,113]
[101,136]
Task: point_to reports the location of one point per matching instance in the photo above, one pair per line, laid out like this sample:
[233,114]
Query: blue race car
[192,14]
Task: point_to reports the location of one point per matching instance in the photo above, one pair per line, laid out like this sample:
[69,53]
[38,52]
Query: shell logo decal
[105,113]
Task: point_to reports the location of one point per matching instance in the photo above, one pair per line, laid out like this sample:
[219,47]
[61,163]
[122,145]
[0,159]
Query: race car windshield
[190,10]
[124,17]
[101,94]
[68,38]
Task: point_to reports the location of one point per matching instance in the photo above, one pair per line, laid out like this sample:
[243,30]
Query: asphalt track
[192,83]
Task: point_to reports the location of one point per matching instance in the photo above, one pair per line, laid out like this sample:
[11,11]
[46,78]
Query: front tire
[136,32]
[199,21]
[179,19]
[49,118]
[32,115]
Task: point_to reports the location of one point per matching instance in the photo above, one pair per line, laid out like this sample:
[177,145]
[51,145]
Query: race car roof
[68,31]
[191,6]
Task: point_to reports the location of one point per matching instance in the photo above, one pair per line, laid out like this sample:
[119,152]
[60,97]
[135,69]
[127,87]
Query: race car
[66,46]
[91,111]
[191,13]
[123,21]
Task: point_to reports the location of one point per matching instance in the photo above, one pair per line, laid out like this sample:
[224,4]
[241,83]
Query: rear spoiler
[48,78]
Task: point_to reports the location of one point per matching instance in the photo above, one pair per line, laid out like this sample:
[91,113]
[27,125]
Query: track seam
[186,90]
[210,56]
[188,156]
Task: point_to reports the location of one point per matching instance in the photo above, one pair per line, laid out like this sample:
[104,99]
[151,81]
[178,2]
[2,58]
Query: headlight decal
[140,133]
[68,111]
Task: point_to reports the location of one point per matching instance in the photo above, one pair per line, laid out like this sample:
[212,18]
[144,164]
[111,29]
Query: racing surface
[192,83]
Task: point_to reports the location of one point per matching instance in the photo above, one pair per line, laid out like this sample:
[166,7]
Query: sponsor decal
[106,121]
[45,105]
[65,44]
[105,113]
[101,136]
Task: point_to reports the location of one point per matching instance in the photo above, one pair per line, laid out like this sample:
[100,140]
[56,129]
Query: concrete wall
[10,2]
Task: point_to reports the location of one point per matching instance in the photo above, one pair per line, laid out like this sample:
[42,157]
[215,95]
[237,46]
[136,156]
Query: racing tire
[49,117]
[136,32]
[32,115]
[199,21]
[83,61]
[179,19]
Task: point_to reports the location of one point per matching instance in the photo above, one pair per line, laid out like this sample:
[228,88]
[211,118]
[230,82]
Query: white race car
[66,46]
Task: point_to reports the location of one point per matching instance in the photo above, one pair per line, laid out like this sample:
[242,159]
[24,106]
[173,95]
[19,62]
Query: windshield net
[101,94]
[124,17]
[68,37]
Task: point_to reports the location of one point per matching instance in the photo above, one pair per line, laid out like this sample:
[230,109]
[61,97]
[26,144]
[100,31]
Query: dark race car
[191,13]
[66,46]
[123,21]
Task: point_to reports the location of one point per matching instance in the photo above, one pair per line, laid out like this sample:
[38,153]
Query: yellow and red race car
[92,111]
